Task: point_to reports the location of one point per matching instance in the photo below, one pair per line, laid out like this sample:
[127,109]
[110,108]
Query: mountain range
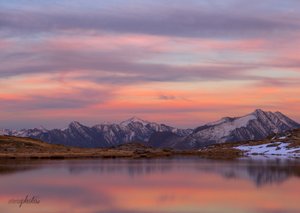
[254,126]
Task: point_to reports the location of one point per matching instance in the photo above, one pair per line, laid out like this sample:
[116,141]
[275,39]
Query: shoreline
[28,148]
[117,154]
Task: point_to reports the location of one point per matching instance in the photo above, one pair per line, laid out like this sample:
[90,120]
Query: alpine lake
[167,185]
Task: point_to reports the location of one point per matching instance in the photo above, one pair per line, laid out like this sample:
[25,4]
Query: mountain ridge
[253,126]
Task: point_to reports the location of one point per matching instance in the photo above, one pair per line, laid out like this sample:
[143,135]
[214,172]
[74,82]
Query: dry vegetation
[15,147]
[294,138]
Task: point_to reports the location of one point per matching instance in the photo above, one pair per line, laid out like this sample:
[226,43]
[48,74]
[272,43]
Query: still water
[145,186]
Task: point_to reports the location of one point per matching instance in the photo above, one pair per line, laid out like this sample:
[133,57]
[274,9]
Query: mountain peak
[42,128]
[75,124]
[222,120]
[134,119]
[259,111]
[256,125]
[253,126]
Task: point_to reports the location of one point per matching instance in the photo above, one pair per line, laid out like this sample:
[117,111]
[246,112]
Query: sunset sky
[183,63]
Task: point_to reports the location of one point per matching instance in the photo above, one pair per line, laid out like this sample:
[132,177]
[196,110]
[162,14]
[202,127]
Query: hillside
[18,147]
[283,145]
[257,125]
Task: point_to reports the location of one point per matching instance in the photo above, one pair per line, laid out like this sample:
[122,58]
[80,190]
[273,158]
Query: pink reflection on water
[152,186]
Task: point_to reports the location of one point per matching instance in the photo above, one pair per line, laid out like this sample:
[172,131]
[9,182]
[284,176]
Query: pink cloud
[104,42]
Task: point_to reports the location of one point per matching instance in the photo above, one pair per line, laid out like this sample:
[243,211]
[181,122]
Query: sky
[183,63]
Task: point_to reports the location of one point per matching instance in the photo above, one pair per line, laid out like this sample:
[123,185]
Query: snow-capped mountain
[101,135]
[135,129]
[256,125]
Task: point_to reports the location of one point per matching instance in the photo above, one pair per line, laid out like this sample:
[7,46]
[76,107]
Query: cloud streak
[172,21]
[196,60]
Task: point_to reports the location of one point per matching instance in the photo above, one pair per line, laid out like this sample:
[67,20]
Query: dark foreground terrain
[16,147]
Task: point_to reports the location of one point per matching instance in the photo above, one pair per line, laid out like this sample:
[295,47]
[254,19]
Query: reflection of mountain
[10,166]
[267,175]
[121,166]
[259,172]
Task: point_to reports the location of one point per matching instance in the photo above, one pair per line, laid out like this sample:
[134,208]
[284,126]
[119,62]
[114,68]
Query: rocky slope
[282,146]
[254,126]
[101,135]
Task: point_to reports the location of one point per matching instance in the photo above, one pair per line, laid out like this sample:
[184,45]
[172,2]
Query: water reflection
[261,172]
[157,185]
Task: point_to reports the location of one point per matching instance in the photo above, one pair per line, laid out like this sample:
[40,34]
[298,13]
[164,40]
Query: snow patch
[277,148]
[235,123]
[134,120]
[225,126]
[282,138]
[75,124]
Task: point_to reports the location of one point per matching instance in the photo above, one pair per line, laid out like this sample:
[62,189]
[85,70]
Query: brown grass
[15,147]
